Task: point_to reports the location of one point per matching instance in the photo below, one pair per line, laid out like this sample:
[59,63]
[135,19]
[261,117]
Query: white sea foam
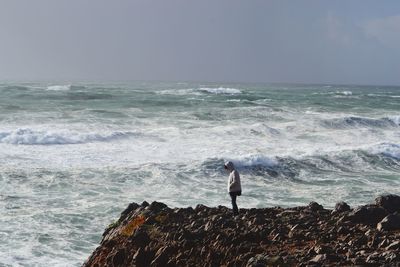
[387,149]
[353,121]
[178,92]
[33,137]
[253,160]
[345,93]
[59,87]
[382,95]
[394,119]
[221,90]
[200,91]
[64,87]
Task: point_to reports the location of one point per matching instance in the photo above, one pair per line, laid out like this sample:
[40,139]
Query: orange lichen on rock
[133,225]
[161,218]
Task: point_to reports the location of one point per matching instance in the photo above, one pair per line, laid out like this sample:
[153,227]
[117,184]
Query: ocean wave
[201,91]
[345,93]
[389,150]
[352,121]
[394,119]
[254,160]
[14,88]
[32,137]
[383,95]
[337,93]
[254,164]
[221,90]
[178,92]
[65,87]
[376,157]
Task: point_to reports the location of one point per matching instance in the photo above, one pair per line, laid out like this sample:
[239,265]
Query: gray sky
[306,41]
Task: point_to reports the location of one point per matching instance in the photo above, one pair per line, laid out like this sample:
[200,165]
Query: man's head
[229,166]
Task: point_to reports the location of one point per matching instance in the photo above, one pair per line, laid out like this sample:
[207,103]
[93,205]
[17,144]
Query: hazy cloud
[337,32]
[385,30]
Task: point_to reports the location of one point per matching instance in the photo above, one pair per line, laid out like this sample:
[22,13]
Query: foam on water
[33,137]
[395,119]
[200,91]
[353,121]
[384,95]
[221,90]
[253,160]
[73,159]
[346,93]
[387,149]
[59,87]
[66,87]
[179,92]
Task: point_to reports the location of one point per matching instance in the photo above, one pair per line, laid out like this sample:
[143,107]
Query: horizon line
[71,81]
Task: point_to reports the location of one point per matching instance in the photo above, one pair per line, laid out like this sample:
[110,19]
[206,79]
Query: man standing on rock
[234,186]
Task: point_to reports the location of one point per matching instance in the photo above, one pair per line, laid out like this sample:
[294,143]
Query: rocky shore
[156,235]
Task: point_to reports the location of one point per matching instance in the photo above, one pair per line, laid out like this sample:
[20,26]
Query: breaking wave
[200,91]
[65,87]
[221,90]
[346,93]
[254,160]
[32,137]
[379,156]
[388,150]
[14,88]
[347,122]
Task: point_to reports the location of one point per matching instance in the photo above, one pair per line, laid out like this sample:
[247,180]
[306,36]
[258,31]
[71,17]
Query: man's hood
[229,165]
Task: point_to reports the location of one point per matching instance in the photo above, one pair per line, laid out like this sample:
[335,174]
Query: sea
[74,155]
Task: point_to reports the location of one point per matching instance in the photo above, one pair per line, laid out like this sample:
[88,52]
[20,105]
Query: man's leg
[234,205]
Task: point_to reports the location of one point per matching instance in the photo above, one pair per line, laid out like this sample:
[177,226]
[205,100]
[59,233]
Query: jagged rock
[140,238]
[320,258]
[275,261]
[358,261]
[321,249]
[394,245]
[155,235]
[390,222]
[391,256]
[342,207]
[373,258]
[368,214]
[263,260]
[119,258]
[200,207]
[257,261]
[384,243]
[314,206]
[139,258]
[359,241]
[131,207]
[157,206]
[389,202]
[161,258]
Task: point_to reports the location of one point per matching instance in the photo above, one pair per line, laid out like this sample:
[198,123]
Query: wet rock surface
[156,235]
